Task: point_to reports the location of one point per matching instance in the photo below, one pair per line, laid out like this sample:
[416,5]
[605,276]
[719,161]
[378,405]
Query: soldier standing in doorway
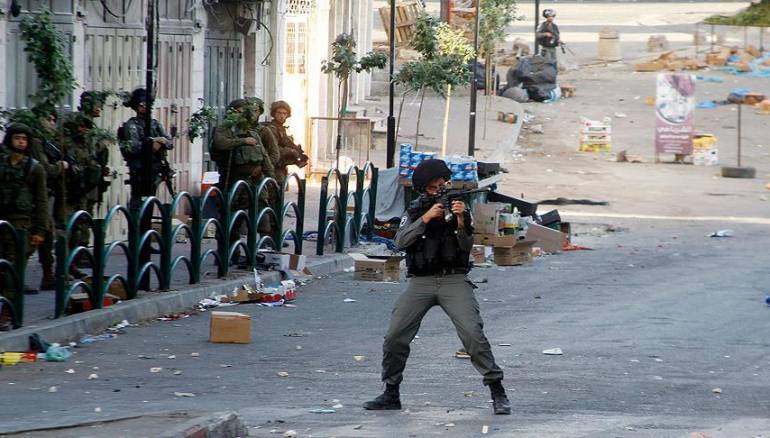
[23,203]
[132,137]
[290,153]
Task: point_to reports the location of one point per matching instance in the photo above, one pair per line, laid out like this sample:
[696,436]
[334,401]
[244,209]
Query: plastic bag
[56,353]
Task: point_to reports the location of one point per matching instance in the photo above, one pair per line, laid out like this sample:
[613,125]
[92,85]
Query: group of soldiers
[67,163]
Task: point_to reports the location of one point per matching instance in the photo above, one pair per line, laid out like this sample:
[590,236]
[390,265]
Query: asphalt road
[651,322]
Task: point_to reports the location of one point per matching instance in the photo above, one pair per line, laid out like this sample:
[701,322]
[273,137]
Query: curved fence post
[196,223]
[61,276]
[97,277]
[342,214]
[166,247]
[12,273]
[300,229]
[223,236]
[322,215]
[372,202]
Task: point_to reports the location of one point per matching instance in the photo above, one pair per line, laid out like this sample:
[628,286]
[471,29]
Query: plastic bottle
[12,358]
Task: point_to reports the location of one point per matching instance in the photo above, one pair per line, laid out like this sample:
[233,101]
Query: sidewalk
[148,305]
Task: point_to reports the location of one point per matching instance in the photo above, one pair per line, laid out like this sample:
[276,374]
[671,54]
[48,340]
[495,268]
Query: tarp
[536,74]
[390,195]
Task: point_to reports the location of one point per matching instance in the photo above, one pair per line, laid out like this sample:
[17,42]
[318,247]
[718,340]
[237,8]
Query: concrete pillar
[197,94]
[3,53]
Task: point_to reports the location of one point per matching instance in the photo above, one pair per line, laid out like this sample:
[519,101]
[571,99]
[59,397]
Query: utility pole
[391,149]
[474,84]
[147,176]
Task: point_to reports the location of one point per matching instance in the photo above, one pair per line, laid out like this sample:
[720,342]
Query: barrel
[609,45]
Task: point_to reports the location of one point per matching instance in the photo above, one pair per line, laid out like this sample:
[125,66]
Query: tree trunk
[419,116]
[488,89]
[400,110]
[446,119]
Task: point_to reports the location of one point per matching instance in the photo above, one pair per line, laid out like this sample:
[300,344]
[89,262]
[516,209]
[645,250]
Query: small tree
[443,64]
[343,63]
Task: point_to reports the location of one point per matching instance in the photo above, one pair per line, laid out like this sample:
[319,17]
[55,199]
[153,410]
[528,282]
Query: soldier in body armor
[239,154]
[23,203]
[289,153]
[133,137]
[438,260]
[45,150]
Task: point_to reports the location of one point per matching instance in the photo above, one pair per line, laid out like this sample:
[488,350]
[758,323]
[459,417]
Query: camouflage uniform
[289,153]
[23,203]
[132,138]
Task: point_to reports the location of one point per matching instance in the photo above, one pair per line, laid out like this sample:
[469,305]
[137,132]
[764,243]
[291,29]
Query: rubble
[671,62]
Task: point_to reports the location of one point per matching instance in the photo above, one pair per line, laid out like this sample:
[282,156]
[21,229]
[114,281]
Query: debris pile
[671,62]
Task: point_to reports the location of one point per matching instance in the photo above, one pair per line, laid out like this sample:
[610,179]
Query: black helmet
[137,96]
[13,129]
[429,170]
[549,13]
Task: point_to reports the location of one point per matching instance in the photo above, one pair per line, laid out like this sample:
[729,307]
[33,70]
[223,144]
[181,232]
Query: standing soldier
[132,137]
[23,202]
[91,105]
[289,152]
[548,35]
[239,153]
[44,149]
[437,258]
[86,179]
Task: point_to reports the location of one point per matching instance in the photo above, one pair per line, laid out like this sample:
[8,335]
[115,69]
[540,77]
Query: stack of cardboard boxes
[595,135]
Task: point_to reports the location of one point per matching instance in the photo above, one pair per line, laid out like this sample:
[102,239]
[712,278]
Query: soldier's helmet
[136,97]
[74,123]
[549,13]
[13,129]
[90,100]
[429,170]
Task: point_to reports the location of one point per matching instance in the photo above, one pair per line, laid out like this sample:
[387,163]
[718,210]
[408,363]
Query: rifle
[445,197]
[564,46]
[167,173]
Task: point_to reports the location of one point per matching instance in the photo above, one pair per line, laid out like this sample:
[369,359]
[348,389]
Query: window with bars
[300,7]
[296,46]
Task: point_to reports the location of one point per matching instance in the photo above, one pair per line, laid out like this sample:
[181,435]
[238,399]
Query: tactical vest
[15,195]
[437,250]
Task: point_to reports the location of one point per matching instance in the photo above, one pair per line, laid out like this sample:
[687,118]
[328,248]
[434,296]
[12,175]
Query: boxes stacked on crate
[704,150]
[409,159]
[463,169]
[595,136]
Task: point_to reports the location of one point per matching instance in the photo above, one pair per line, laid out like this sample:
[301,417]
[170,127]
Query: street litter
[93,376]
[717,390]
[721,233]
[178,373]
[620,115]
[70,371]
[208,303]
[553,352]
[56,353]
[195,354]
[537,129]
[349,300]
[119,326]
[714,79]
[290,434]
[89,339]
[484,429]
[350,269]
[282,374]
[706,104]
[338,406]
[504,345]
[174,316]
[156,369]
[322,411]
[97,409]
[359,358]
[184,394]
[53,389]
[462,354]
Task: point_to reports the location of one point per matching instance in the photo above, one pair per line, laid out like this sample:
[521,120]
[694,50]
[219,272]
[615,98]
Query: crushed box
[518,254]
[376,268]
[230,327]
[285,261]
[486,218]
[549,240]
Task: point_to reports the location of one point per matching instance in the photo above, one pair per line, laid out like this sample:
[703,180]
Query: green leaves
[46,50]
[200,121]
[445,53]
[496,15]
[344,59]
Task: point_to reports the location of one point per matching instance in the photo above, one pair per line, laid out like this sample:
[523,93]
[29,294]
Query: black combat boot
[500,402]
[388,400]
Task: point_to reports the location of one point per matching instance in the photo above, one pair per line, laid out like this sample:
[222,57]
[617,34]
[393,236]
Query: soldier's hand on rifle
[435,212]
[65,165]
[36,240]
[251,141]
[106,171]
[458,208]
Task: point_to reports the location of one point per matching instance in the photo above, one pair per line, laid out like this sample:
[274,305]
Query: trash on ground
[484,429]
[621,115]
[595,135]
[717,390]
[359,358]
[282,374]
[53,389]
[184,394]
[290,434]
[537,129]
[70,371]
[156,369]
[504,344]
[90,339]
[119,326]
[462,354]
[93,376]
[553,351]
[230,327]
[348,300]
[55,353]
[338,406]
[706,104]
[322,411]
[195,354]
[721,233]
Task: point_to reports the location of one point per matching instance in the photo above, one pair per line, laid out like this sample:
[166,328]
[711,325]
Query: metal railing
[267,204]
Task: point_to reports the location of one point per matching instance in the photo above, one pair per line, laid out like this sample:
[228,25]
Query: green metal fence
[242,207]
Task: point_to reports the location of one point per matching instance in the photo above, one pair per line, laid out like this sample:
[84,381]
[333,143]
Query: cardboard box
[479,254]
[494,240]
[548,239]
[716,59]
[116,288]
[81,302]
[650,66]
[230,327]
[376,268]
[486,218]
[518,254]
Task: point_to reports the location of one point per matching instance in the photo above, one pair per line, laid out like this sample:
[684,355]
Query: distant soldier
[239,153]
[92,103]
[23,203]
[133,137]
[45,150]
[548,36]
[290,153]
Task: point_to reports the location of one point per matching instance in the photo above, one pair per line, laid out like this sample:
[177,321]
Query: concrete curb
[217,425]
[149,306]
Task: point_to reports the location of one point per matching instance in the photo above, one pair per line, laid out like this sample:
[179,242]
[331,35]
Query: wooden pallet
[406,18]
